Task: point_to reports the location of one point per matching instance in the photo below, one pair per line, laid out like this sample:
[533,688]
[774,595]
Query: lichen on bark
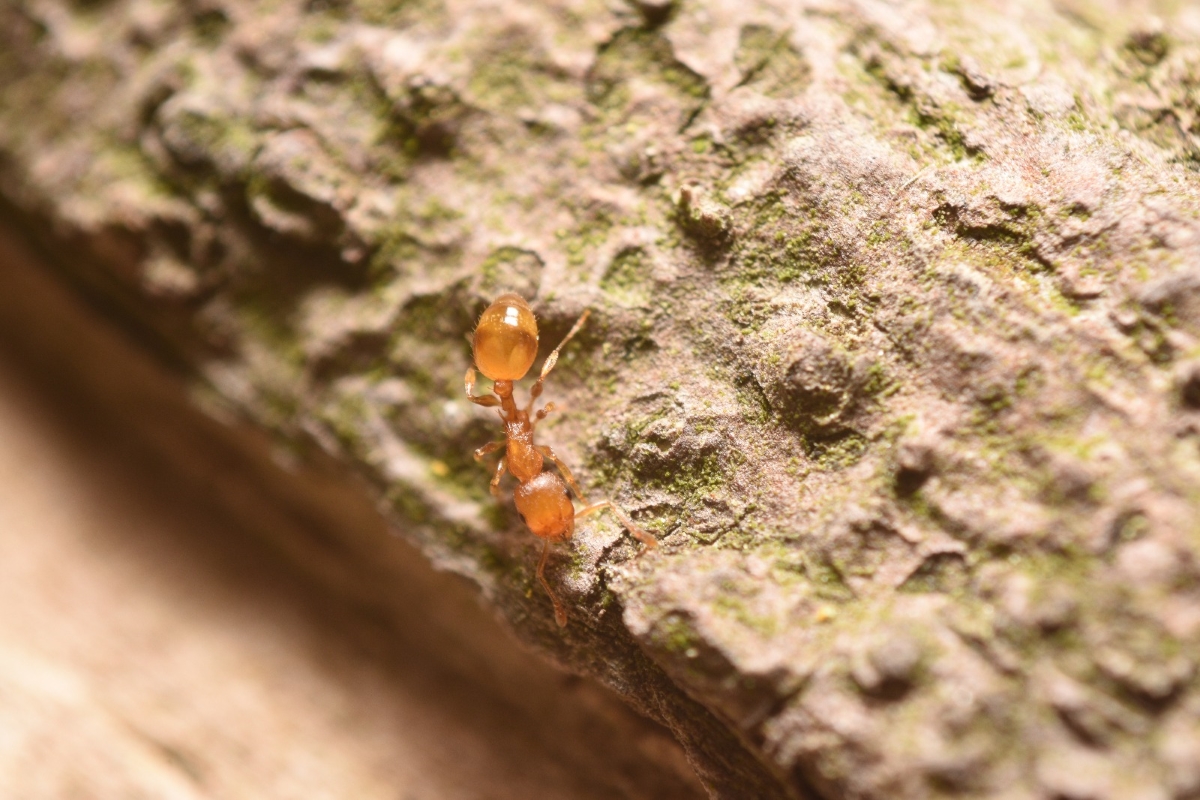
[893,347]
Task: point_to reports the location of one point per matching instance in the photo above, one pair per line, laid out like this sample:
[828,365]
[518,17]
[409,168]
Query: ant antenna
[535,391]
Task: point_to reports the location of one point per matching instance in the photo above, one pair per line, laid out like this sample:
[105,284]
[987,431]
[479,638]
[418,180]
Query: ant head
[506,339]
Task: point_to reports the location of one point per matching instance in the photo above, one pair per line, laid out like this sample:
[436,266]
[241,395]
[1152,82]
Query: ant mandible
[505,345]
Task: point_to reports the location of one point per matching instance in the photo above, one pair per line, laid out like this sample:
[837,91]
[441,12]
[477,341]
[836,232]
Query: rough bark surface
[894,337]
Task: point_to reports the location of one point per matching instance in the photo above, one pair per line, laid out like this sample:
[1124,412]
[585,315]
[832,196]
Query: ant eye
[506,339]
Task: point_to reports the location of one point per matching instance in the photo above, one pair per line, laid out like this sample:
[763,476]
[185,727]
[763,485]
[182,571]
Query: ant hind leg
[642,536]
[560,612]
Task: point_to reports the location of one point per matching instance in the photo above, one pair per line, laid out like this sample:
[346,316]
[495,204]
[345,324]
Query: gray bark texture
[895,343]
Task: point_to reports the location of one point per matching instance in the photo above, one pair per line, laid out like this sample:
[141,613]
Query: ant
[505,346]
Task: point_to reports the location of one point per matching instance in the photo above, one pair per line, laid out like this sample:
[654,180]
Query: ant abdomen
[544,505]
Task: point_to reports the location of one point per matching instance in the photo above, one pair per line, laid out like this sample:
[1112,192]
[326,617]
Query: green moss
[398,14]
[510,71]
[396,247]
[1069,565]
[647,56]
[121,163]
[581,242]
[509,268]
[836,452]
[346,417]
[700,478]
[210,26]
[922,112]
[768,62]
[420,122]
[435,211]
[1133,527]
[827,581]
[946,573]
[1011,234]
[627,280]
[880,89]
[877,381]
[320,28]
[784,243]
[675,635]
[411,506]
[738,609]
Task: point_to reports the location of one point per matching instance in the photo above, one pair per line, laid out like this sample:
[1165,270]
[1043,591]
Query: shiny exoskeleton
[505,346]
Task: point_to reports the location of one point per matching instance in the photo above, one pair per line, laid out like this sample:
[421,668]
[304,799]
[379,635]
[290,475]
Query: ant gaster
[505,345]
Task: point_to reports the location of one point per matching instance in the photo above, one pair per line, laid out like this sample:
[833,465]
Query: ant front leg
[548,453]
[489,400]
[646,539]
[488,449]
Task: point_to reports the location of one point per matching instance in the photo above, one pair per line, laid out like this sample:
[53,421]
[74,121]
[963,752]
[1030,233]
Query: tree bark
[893,344]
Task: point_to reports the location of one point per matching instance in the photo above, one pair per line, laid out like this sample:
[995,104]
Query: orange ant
[505,345]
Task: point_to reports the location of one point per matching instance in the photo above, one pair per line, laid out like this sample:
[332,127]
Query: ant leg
[495,484]
[560,613]
[479,400]
[488,448]
[547,452]
[535,391]
[544,412]
[639,534]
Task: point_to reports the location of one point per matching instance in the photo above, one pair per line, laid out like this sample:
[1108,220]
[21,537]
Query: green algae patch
[627,279]
[770,63]
[636,54]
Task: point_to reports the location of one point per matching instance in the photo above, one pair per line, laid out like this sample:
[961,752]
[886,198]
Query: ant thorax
[524,462]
